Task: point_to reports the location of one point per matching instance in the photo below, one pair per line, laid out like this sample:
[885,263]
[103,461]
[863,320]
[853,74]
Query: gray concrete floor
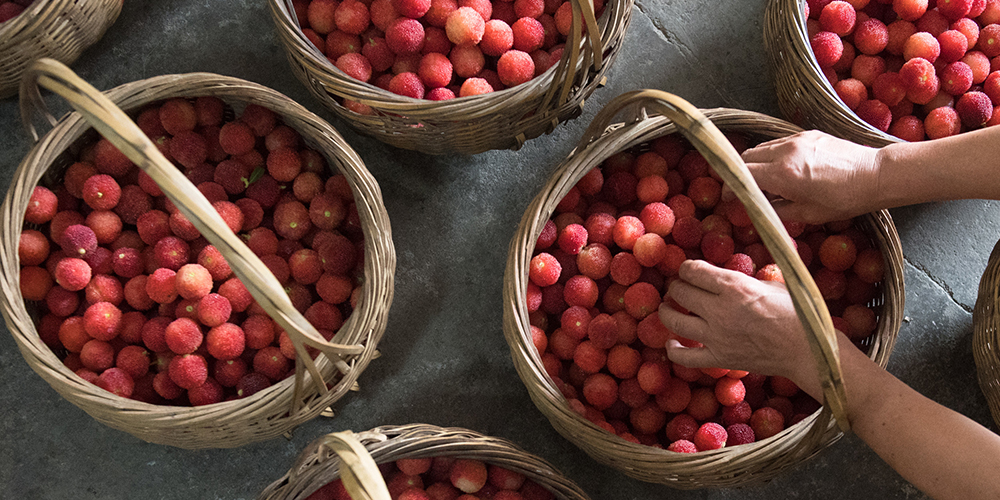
[444,358]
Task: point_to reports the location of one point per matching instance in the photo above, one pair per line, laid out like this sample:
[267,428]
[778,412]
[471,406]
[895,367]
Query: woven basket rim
[985,341]
[788,15]
[366,322]
[31,19]
[388,443]
[411,106]
[528,361]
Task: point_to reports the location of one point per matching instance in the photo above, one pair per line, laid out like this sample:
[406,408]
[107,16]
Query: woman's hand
[818,177]
[743,323]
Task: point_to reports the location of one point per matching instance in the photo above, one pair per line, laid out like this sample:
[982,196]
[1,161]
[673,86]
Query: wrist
[890,185]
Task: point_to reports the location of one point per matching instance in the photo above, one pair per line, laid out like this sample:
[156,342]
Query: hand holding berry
[741,322]
[818,177]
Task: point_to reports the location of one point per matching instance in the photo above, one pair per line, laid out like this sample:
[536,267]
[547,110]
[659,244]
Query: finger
[691,357]
[707,276]
[765,149]
[692,298]
[795,212]
[762,175]
[685,325]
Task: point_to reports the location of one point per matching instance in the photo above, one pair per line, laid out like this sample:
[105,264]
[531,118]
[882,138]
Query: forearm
[941,452]
[962,166]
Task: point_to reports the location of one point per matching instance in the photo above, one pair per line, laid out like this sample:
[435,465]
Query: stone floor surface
[444,359]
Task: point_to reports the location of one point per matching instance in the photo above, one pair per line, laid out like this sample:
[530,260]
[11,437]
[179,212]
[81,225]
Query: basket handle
[117,127]
[713,145]
[566,69]
[359,472]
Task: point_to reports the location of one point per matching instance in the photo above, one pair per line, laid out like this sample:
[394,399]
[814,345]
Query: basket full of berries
[60,29]
[440,76]
[881,72]
[589,266]
[215,299]
[416,461]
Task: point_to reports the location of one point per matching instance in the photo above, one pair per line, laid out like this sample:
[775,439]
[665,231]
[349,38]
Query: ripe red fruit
[468,475]
[871,36]
[827,47]
[117,381]
[766,422]
[729,391]
[956,78]
[838,252]
[465,25]
[529,34]
[225,341]
[875,113]
[710,436]
[498,37]
[544,270]
[515,67]
[600,391]
[72,274]
[838,17]
[942,122]
[405,36]
[974,109]
[407,84]
[921,44]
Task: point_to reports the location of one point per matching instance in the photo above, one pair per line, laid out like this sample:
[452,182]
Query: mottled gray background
[444,358]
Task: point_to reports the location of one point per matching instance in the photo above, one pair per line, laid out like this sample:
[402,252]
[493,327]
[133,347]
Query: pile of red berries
[12,8]
[438,49]
[134,299]
[600,270]
[446,478]
[913,68]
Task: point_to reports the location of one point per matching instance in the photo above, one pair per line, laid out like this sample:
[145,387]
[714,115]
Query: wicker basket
[467,125]
[59,29]
[284,405]
[727,466]
[805,96]
[985,335]
[317,465]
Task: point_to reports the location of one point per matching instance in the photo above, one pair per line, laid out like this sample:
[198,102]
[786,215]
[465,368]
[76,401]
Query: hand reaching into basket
[819,178]
[750,325]
[758,321]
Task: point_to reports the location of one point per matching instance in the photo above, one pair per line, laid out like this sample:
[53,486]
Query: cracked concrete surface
[944,286]
[444,357]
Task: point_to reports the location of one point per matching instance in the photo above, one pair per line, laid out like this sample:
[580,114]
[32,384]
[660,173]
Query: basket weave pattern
[986,334]
[468,125]
[59,29]
[273,411]
[805,96]
[317,466]
[724,467]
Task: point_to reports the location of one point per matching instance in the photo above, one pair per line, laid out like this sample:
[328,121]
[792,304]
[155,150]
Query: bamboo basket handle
[117,127]
[358,470]
[713,145]
[565,73]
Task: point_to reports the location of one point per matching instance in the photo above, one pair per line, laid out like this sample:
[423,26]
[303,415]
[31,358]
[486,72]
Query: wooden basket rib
[59,29]
[985,337]
[805,96]
[727,466]
[278,408]
[467,125]
[316,465]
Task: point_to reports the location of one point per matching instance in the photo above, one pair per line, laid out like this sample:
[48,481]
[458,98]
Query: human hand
[818,177]
[742,323]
